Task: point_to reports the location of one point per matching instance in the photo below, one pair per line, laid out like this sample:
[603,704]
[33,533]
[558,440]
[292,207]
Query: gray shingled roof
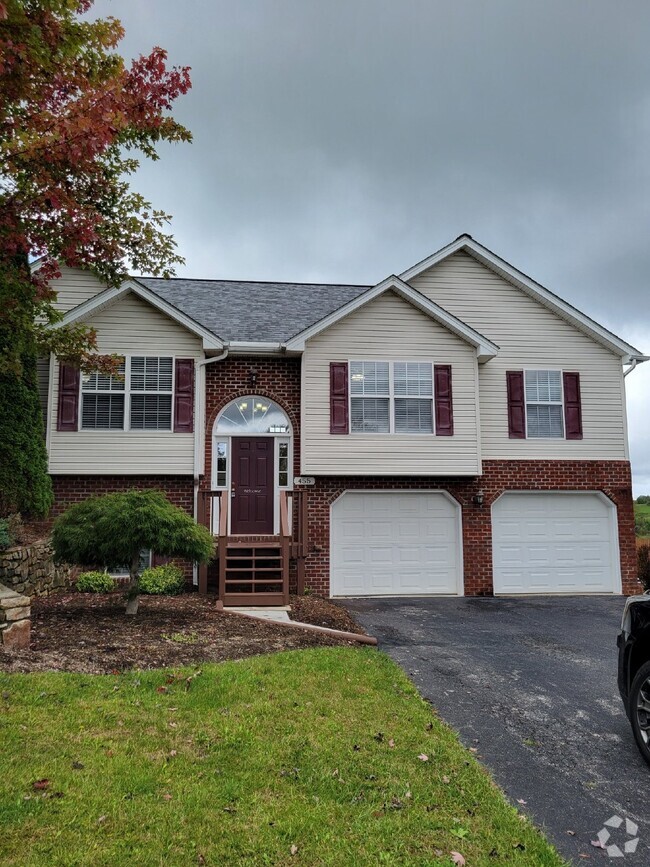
[240,310]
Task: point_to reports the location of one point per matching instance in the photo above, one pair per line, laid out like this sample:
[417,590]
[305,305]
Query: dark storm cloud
[345,140]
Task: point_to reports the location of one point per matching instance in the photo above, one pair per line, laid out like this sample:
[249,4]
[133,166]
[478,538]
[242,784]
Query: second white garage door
[555,543]
[395,544]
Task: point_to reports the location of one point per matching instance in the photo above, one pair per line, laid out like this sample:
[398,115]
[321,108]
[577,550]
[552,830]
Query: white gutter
[633,364]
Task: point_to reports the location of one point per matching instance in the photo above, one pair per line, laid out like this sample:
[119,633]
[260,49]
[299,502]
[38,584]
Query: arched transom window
[252,415]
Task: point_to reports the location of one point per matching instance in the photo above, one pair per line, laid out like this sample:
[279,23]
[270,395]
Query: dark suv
[634,668]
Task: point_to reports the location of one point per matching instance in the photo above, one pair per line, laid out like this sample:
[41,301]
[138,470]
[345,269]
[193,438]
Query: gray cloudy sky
[343,140]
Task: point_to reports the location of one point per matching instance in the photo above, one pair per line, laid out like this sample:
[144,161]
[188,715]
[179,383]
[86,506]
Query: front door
[252,486]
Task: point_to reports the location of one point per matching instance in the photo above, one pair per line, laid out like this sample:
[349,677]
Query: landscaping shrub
[641,525]
[643,560]
[5,535]
[162,581]
[95,582]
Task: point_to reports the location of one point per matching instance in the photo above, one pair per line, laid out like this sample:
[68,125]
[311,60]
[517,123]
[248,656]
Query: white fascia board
[110,296]
[485,349]
[562,308]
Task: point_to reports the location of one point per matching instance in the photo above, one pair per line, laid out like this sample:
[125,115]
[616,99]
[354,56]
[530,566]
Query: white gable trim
[109,297]
[563,309]
[485,349]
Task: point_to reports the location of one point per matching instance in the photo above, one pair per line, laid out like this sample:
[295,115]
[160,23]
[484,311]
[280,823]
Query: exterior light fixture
[477,499]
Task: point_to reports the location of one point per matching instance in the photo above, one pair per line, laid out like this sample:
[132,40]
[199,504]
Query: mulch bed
[90,633]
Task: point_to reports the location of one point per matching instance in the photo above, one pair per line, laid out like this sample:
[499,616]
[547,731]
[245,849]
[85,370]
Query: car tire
[639,717]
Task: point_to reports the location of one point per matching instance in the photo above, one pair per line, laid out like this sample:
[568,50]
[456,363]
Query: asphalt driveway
[531,685]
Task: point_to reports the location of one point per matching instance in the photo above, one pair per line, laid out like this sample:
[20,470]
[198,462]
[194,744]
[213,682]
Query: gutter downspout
[633,364]
[199,413]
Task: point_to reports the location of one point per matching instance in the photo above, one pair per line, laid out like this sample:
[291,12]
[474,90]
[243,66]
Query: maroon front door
[252,486]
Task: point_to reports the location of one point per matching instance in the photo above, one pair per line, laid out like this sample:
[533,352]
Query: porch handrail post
[285,541]
[223,543]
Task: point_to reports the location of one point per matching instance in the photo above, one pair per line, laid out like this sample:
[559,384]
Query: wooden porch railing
[292,539]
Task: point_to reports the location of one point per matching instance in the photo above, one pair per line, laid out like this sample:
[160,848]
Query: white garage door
[394,544]
[555,543]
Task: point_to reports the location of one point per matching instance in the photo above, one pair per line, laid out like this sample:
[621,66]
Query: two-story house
[454,429]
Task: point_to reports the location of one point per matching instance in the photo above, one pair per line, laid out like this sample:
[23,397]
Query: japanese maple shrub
[113,529]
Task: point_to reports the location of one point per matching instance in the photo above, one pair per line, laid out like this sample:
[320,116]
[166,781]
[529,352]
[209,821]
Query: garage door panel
[554,543]
[403,543]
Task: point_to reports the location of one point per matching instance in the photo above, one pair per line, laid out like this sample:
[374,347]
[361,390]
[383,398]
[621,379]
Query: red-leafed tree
[73,118]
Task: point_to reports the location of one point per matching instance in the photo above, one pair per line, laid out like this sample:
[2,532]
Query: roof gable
[485,349]
[108,297]
[566,311]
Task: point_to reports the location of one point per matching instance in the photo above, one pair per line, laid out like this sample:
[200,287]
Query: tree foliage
[72,117]
[111,531]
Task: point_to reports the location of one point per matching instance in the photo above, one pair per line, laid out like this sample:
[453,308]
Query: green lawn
[320,750]
[642,510]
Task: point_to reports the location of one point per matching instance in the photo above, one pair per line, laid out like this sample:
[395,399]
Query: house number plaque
[304,481]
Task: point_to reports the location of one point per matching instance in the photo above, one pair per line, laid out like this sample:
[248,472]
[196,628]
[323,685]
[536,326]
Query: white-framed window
[103,400]
[125,571]
[151,385]
[221,469]
[391,397]
[139,398]
[544,404]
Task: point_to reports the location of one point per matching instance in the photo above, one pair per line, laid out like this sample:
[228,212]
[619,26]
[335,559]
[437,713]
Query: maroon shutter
[159,560]
[516,405]
[184,396]
[572,406]
[339,397]
[68,408]
[443,400]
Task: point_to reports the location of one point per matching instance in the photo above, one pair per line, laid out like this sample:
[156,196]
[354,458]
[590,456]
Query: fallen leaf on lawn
[391,743]
[173,725]
[294,849]
[379,737]
[457,858]
[423,758]
[40,785]
[101,820]
[162,689]
[429,726]
[597,844]
[522,802]
[78,766]
[172,752]
[200,859]
[446,780]
[167,797]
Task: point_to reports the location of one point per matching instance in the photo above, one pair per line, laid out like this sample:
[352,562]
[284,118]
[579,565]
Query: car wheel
[639,705]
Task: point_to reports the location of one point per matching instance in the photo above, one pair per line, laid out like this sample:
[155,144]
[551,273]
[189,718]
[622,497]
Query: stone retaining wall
[15,623]
[31,570]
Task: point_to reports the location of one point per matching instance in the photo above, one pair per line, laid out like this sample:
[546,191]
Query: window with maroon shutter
[68,402]
[184,396]
[339,423]
[572,406]
[516,404]
[443,400]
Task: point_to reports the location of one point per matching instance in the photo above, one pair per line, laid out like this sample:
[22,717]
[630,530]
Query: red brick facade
[279,380]
[275,378]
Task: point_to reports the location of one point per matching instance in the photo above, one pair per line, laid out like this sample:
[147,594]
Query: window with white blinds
[102,401]
[139,398]
[544,404]
[151,386]
[391,397]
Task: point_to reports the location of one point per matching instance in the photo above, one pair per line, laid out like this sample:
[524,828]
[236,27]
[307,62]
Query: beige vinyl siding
[130,326]
[74,287]
[530,335]
[388,329]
